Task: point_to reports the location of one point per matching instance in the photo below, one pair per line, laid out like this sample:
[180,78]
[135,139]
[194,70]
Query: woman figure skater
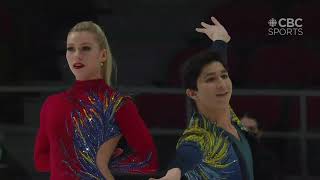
[80,128]
[214,146]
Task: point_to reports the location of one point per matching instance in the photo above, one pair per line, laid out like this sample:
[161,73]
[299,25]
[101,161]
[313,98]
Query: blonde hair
[92,27]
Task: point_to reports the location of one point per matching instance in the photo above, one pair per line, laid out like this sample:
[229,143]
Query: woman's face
[84,55]
[214,87]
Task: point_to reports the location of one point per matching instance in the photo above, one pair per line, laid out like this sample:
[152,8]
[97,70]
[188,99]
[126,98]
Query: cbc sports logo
[285,26]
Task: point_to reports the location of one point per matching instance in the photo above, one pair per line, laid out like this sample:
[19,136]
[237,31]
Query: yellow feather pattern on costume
[213,143]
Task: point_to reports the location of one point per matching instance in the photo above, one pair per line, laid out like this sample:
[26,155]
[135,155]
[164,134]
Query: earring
[101,64]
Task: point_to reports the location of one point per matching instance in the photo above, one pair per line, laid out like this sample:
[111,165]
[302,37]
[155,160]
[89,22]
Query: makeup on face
[78,65]
[83,55]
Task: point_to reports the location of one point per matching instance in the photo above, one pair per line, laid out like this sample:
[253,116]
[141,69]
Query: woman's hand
[215,31]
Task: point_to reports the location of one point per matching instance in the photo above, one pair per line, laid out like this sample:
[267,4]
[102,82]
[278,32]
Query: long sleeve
[188,155]
[220,47]
[135,132]
[42,147]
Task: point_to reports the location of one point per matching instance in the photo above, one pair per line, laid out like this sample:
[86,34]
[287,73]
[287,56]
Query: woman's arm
[104,154]
[42,146]
[137,135]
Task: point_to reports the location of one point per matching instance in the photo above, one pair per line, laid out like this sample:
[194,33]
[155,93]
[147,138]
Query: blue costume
[208,152]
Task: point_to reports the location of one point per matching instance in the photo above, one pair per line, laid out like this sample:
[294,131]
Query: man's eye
[70,49]
[210,79]
[225,76]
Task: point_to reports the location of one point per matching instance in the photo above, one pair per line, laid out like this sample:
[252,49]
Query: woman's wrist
[107,174]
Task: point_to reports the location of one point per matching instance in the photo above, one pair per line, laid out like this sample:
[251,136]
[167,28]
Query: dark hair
[253,116]
[192,69]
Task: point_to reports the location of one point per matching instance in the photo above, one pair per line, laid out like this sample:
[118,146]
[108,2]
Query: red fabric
[136,133]
[53,135]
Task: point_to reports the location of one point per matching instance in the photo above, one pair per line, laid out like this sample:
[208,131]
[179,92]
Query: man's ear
[192,94]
